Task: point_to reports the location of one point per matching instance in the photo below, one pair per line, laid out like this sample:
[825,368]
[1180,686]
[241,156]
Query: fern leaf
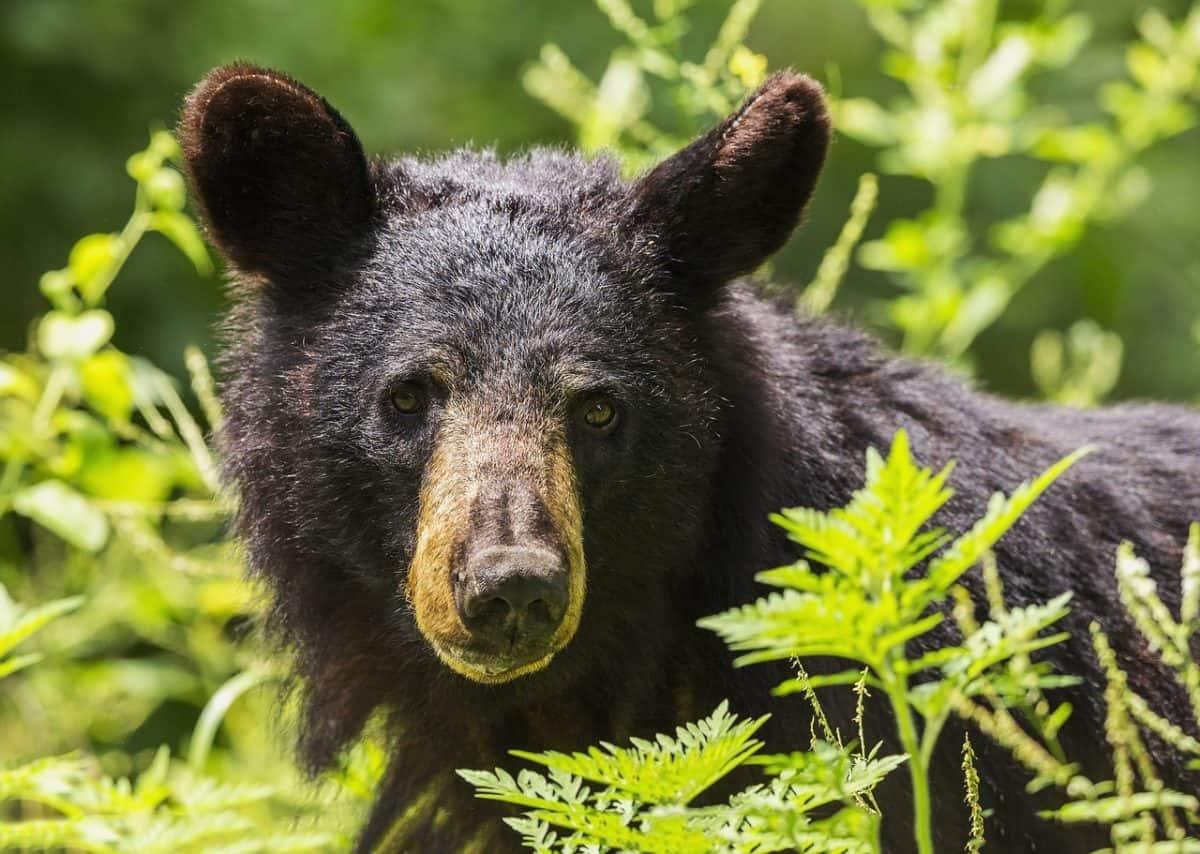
[669,770]
[1001,515]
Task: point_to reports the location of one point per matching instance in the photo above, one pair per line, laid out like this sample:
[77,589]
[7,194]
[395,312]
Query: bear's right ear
[280,177]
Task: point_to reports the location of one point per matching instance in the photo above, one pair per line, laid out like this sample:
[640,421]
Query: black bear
[504,431]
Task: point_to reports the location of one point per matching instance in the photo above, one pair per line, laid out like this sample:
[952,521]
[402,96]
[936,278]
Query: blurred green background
[85,80]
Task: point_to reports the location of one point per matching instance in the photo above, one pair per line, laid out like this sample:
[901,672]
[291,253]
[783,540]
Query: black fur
[518,272]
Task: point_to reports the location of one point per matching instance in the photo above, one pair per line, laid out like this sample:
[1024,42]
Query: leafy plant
[865,605]
[1079,368]
[967,99]
[103,456]
[17,624]
[1137,795]
[109,470]
[615,114]
[639,798]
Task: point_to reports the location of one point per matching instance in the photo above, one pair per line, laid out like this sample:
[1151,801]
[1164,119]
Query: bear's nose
[513,595]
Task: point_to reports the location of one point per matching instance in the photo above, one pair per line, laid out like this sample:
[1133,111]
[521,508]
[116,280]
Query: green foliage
[17,624]
[166,809]
[615,114]
[819,295]
[110,467]
[1142,812]
[1079,368]
[639,798]
[970,95]
[866,606]
[968,98]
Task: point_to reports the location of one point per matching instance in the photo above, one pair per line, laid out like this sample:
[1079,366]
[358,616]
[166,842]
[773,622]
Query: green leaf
[63,336]
[1078,144]
[667,770]
[128,474]
[107,384]
[20,625]
[864,120]
[63,511]
[91,261]
[1113,809]
[12,665]
[166,190]
[1001,515]
[182,231]
[16,383]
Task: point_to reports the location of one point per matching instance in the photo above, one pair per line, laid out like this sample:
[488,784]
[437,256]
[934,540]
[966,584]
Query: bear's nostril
[513,595]
[487,610]
[539,611]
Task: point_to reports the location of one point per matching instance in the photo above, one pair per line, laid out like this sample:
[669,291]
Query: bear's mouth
[490,667]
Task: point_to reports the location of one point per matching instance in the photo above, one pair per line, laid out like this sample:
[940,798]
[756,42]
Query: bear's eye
[599,413]
[408,398]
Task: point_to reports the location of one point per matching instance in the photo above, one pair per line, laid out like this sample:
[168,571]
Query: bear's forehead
[517,268]
[488,296]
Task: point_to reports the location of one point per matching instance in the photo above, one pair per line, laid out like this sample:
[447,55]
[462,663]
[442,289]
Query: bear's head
[471,410]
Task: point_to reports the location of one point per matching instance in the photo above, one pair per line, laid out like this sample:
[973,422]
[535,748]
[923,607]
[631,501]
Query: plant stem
[897,692]
[134,230]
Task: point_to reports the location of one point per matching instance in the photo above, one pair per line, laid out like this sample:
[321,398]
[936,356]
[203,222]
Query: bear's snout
[497,580]
[513,598]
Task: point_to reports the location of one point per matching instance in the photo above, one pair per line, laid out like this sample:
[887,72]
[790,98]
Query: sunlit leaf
[107,378]
[181,230]
[91,261]
[63,336]
[16,383]
[166,190]
[60,509]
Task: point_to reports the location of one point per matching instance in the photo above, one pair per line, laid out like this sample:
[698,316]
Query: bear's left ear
[280,177]
[731,199]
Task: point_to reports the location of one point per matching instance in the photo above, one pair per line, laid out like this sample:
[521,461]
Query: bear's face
[484,382]
[512,387]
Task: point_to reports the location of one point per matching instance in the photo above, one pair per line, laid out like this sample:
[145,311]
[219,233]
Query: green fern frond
[1160,726]
[1002,513]
[48,780]
[163,833]
[204,794]
[1169,638]
[1116,808]
[827,772]
[666,770]
[838,623]
[42,835]
[876,537]
[1017,632]
[640,795]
